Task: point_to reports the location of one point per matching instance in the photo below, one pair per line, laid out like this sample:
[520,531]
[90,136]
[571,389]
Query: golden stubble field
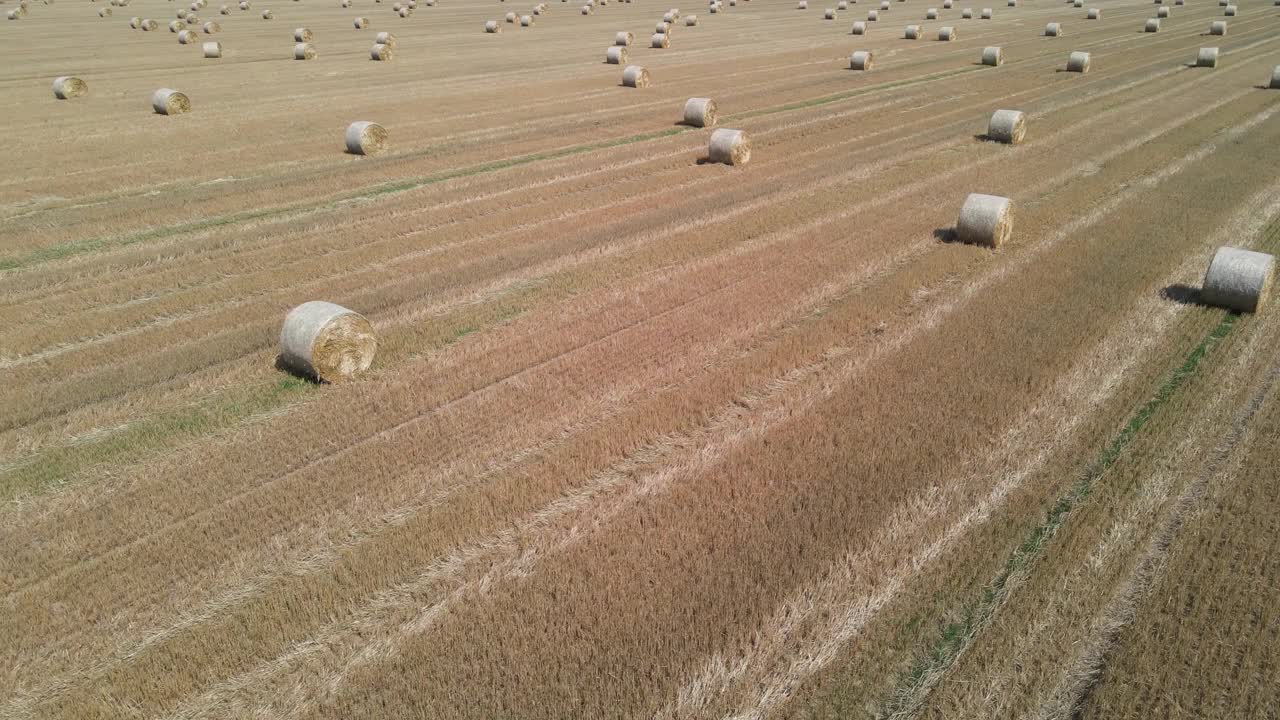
[646,437]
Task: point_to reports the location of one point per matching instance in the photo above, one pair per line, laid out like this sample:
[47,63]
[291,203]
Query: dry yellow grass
[645,437]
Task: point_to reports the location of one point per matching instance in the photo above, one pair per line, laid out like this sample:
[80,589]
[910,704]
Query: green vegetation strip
[955,636]
[62,465]
[56,468]
[81,247]
[828,99]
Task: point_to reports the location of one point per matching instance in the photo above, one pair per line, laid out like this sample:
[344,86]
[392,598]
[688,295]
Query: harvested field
[645,436]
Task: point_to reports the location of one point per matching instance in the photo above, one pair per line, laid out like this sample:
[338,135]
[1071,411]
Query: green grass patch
[57,466]
[955,635]
[837,97]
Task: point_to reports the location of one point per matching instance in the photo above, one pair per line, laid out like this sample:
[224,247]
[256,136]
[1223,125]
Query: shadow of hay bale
[283,365]
[947,235]
[1182,294]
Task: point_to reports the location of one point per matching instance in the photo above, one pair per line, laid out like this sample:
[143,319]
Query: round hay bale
[912,32]
[662,27]
[1238,280]
[986,14]
[884,5]
[303,35]
[700,112]
[1095,14]
[1007,126]
[360,23]
[67,87]
[1078,3]
[511,17]
[802,5]
[225,10]
[396,7]
[1162,12]
[327,342]
[212,50]
[1179,2]
[404,12]
[586,10]
[14,14]
[492,26]
[730,147]
[1207,57]
[346,3]
[526,21]
[947,34]
[859,28]
[1153,25]
[872,16]
[182,14]
[148,25]
[1218,27]
[669,17]
[170,102]
[947,4]
[188,37]
[1275,78]
[193,21]
[660,40]
[842,5]
[713,9]
[104,12]
[211,27]
[1013,3]
[993,56]
[1053,30]
[1078,61]
[829,14]
[985,220]
[366,138]
[931,14]
[691,21]
[624,39]
[135,22]
[380,52]
[304,51]
[386,38]
[861,60]
[1230,11]
[616,55]
[267,15]
[635,76]
[244,5]
[966,14]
